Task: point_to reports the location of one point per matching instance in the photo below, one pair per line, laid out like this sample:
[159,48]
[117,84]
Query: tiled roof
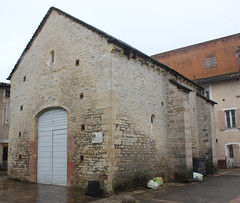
[196,46]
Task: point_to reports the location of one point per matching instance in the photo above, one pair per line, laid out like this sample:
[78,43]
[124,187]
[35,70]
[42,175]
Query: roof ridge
[60,12]
[31,41]
[109,38]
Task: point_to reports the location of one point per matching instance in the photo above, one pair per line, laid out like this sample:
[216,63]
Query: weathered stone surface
[148,124]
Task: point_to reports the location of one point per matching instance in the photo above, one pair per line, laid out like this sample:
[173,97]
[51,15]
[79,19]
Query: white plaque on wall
[97,137]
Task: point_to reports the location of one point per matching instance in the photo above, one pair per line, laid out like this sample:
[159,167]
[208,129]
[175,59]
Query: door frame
[33,145]
[230,161]
[52,138]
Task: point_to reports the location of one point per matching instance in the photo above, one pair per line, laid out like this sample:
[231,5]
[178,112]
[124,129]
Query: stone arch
[40,112]
[33,161]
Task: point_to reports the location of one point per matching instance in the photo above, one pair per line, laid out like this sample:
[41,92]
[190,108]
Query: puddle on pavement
[17,191]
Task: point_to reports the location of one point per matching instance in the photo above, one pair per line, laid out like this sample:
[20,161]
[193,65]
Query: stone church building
[86,106]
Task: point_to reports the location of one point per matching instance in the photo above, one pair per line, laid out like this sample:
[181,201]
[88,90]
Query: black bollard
[93,189]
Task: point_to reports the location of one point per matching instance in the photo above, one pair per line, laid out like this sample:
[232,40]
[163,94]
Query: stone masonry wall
[20,156]
[179,134]
[145,121]
[194,123]
[206,134]
[138,92]
[77,81]
[90,159]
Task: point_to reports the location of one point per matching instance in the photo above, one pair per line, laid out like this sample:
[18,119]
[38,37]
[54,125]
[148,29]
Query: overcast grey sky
[152,26]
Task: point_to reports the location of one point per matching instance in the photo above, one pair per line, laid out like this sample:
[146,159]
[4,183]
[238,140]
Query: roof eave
[30,42]
[3,84]
[109,38]
[219,78]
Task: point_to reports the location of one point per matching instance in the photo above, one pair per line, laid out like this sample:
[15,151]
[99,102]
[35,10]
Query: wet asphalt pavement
[22,192]
[221,188]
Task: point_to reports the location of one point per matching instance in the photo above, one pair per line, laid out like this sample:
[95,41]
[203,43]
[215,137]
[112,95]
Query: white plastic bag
[151,184]
[156,182]
[197,176]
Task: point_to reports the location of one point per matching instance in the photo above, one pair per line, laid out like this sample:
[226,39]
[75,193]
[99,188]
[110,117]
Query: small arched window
[152,124]
[152,118]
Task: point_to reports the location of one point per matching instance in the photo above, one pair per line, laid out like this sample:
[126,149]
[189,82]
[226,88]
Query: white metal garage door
[52,147]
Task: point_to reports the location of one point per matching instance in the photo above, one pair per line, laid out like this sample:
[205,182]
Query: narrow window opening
[152,124]
[81,158]
[21,107]
[77,62]
[19,134]
[152,118]
[52,56]
[81,95]
[82,127]
[20,156]
[24,78]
